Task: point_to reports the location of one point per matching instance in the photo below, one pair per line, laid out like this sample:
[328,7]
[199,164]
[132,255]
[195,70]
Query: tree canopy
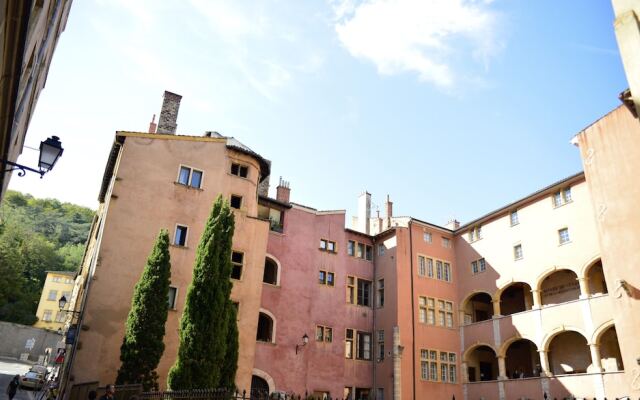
[36,235]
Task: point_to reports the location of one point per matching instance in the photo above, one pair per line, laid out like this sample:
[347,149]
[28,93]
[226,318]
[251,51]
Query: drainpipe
[413,319]
[374,339]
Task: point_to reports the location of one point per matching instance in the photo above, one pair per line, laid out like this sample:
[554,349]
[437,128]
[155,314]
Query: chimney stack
[153,125]
[364,212]
[167,122]
[453,224]
[283,191]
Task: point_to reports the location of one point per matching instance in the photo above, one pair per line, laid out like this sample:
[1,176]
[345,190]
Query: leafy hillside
[36,235]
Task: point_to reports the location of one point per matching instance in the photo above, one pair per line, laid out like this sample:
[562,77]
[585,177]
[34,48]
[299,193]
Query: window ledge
[189,187]
[273,285]
[266,343]
[563,204]
[177,246]
[565,243]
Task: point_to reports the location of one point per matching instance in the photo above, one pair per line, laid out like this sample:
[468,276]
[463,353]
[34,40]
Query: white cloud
[430,37]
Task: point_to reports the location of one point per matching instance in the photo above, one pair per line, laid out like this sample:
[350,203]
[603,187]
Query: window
[180,238]
[351,289]
[429,268]
[563,235]
[422,267]
[239,170]
[53,295]
[326,278]
[275,216]
[446,242]
[56,279]
[237,259]
[427,311]
[380,298]
[478,266]
[514,218]
[324,334]
[46,316]
[236,201]
[348,343]
[328,246]
[172,297]
[270,274]
[364,293]
[562,197]
[517,252]
[60,316]
[380,394]
[264,332]
[426,236]
[190,177]
[381,249]
[447,272]
[68,280]
[380,345]
[431,364]
[360,250]
[439,270]
[363,346]
[475,233]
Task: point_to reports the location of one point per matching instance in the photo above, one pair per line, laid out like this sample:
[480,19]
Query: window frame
[560,236]
[190,176]
[326,335]
[240,166]
[380,293]
[236,196]
[186,235]
[446,242]
[323,278]
[365,294]
[436,312]
[427,237]
[236,264]
[325,242]
[53,292]
[360,345]
[175,298]
[349,343]
[514,221]
[360,250]
[518,253]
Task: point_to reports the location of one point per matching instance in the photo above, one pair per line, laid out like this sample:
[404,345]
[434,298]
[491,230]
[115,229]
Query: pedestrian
[109,392]
[13,387]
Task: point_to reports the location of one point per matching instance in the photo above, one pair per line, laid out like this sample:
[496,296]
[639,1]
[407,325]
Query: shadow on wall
[503,348]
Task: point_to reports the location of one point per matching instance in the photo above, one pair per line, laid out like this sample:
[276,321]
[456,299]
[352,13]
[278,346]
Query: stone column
[502,369]
[496,308]
[584,287]
[596,364]
[464,372]
[537,299]
[544,363]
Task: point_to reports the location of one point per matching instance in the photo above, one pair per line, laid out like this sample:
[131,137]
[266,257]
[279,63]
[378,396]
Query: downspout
[413,319]
[375,302]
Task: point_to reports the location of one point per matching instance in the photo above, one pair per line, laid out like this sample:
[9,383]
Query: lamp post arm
[22,169]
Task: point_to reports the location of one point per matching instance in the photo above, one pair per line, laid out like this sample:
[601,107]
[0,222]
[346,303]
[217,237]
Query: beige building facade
[56,285]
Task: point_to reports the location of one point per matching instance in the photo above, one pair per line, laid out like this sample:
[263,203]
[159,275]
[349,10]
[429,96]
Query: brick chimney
[283,191]
[152,125]
[167,122]
[389,209]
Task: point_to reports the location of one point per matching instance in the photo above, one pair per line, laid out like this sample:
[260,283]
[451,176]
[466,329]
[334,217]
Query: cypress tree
[230,363]
[143,345]
[205,320]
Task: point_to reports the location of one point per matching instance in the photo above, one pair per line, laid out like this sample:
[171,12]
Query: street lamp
[50,151]
[63,302]
[305,340]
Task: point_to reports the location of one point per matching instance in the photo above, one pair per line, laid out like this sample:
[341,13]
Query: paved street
[8,369]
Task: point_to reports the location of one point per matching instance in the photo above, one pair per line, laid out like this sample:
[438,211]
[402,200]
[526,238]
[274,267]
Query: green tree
[204,327]
[143,345]
[230,363]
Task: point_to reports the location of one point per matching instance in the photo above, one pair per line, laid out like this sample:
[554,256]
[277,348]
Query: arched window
[265,328]
[522,360]
[270,271]
[595,278]
[259,388]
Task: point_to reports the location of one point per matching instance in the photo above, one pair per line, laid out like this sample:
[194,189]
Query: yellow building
[57,284]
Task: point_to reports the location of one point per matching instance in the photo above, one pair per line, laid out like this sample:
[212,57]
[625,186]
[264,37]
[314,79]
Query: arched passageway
[560,287]
[482,364]
[569,353]
[610,356]
[595,279]
[522,360]
[478,308]
[259,388]
[516,298]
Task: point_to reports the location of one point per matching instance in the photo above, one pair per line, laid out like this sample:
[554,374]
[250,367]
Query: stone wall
[18,339]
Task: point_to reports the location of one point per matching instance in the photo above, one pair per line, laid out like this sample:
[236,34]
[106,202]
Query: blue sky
[453,107]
